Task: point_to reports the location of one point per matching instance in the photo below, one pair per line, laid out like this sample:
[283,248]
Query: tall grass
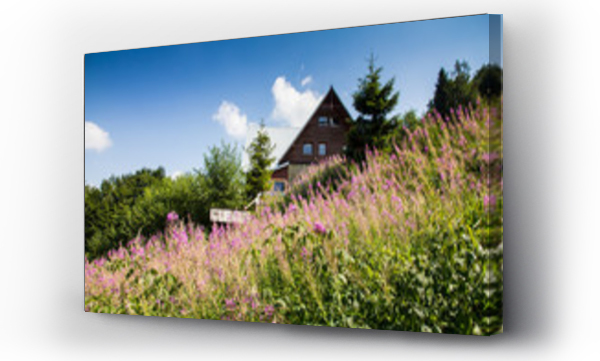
[410,240]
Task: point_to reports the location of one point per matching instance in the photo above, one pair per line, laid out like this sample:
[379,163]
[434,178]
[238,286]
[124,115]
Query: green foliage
[258,178]
[185,195]
[442,97]
[488,82]
[405,123]
[460,91]
[224,177]
[373,101]
[453,92]
[108,209]
[133,205]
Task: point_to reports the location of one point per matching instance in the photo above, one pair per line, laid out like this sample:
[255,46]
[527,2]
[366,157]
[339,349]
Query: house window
[323,121]
[279,186]
[307,149]
[322,149]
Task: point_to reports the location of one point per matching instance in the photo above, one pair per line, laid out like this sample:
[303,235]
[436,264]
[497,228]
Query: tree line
[124,207]
[374,100]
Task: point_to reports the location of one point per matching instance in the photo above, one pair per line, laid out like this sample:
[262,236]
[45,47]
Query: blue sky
[166,106]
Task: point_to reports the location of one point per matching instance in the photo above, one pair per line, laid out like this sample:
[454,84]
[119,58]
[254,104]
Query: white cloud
[234,121]
[176,174]
[96,138]
[293,107]
[306,81]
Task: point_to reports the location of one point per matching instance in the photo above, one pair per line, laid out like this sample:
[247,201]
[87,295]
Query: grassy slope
[411,242]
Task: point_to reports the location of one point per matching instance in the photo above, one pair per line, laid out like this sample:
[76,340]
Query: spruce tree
[441,96]
[373,101]
[258,178]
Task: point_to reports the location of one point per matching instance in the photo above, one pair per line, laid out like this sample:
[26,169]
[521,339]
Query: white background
[552,225]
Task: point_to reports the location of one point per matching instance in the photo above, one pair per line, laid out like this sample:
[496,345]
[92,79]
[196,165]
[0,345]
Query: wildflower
[489,201]
[292,207]
[137,251]
[398,202]
[269,309]
[489,157]
[180,237]
[306,253]
[319,228]
[230,303]
[172,216]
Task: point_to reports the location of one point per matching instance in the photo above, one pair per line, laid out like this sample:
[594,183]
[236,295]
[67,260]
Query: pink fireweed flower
[489,201]
[398,203]
[235,242]
[137,251]
[489,157]
[292,207]
[180,236]
[319,228]
[172,216]
[230,303]
[269,309]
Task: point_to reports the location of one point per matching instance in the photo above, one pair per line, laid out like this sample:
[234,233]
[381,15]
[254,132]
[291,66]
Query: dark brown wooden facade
[323,135]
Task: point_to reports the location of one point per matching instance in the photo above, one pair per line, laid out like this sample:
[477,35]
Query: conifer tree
[258,178]
[441,96]
[373,101]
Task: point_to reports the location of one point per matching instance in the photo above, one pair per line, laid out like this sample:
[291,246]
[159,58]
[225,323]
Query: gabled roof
[331,97]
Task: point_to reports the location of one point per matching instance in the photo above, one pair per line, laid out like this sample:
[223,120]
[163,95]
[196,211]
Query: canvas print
[344,178]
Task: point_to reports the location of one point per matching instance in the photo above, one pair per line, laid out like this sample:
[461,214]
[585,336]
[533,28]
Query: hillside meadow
[411,239]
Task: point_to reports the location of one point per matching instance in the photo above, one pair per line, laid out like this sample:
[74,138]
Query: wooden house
[323,135]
